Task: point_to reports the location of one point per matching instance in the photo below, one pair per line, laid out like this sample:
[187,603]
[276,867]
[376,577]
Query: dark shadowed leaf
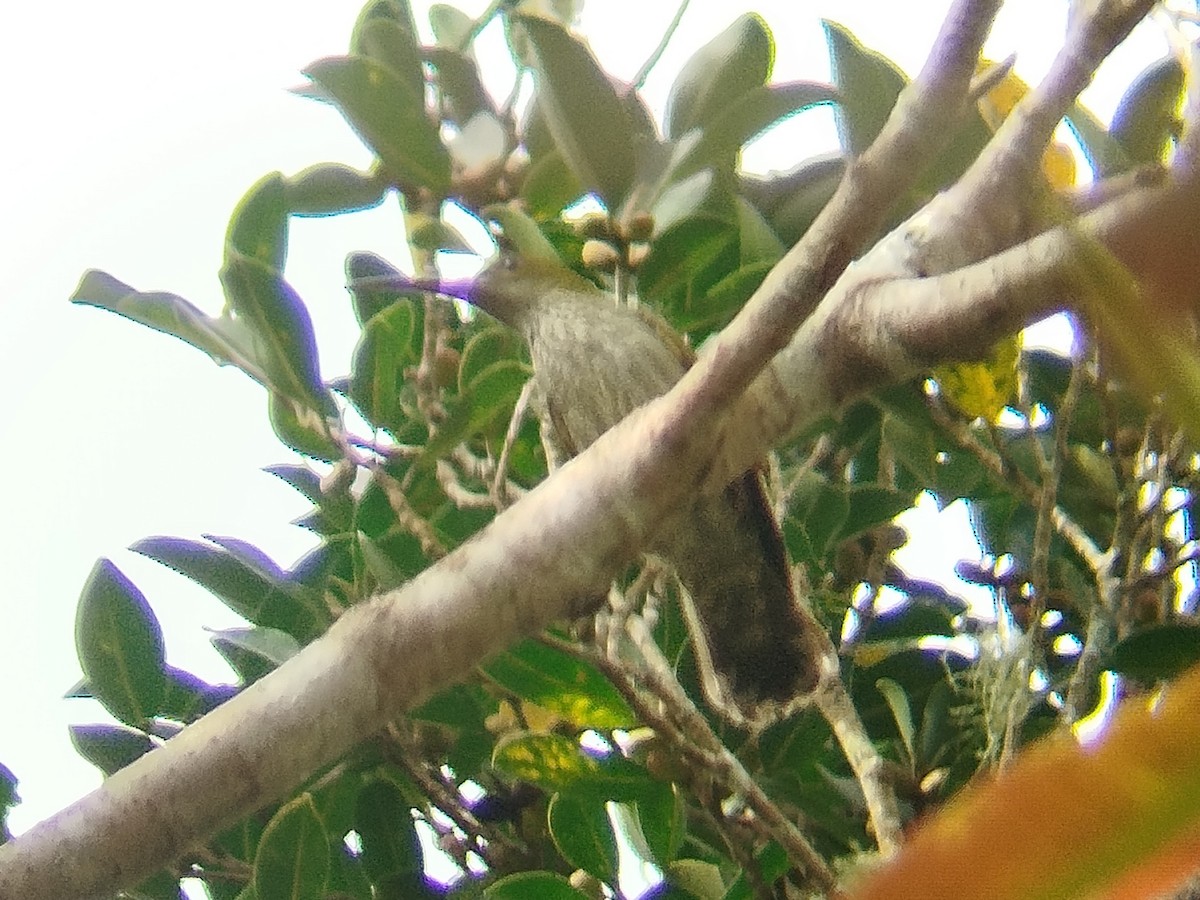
[719,74]
[369,302]
[457,79]
[109,747]
[772,864]
[393,123]
[385,825]
[120,645]
[526,885]
[662,814]
[282,328]
[1156,654]
[254,652]
[583,834]
[247,590]
[292,862]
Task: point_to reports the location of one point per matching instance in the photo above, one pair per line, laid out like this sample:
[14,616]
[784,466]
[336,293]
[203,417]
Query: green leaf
[258,228]
[562,684]
[937,729]
[753,113]
[391,41]
[681,254]
[697,877]
[757,241]
[397,13]
[719,74]
[494,391]
[816,518]
[772,862]
[591,124]
[254,652]
[871,505]
[292,862]
[109,748]
[253,592]
[583,834]
[384,353]
[302,478]
[380,106]
[360,266]
[385,826]
[451,27]
[458,82]
[187,698]
[1147,118]
[484,348]
[912,620]
[1157,653]
[716,306]
[662,815]
[120,645]
[554,762]
[550,185]
[791,202]
[330,189]
[228,341]
[684,199]
[433,235]
[897,701]
[528,885]
[868,84]
[301,428]
[283,331]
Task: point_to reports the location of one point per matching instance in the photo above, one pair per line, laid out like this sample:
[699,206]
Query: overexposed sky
[131,130]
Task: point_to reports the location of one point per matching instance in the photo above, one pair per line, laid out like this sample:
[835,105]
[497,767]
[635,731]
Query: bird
[594,362]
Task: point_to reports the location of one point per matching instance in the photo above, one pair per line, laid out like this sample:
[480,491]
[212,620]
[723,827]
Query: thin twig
[458,494]
[500,484]
[407,518]
[648,66]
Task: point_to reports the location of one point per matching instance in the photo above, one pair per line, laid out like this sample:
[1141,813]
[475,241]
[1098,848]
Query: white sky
[132,128]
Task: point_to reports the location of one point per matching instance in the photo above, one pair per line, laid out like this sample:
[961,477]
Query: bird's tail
[759,650]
